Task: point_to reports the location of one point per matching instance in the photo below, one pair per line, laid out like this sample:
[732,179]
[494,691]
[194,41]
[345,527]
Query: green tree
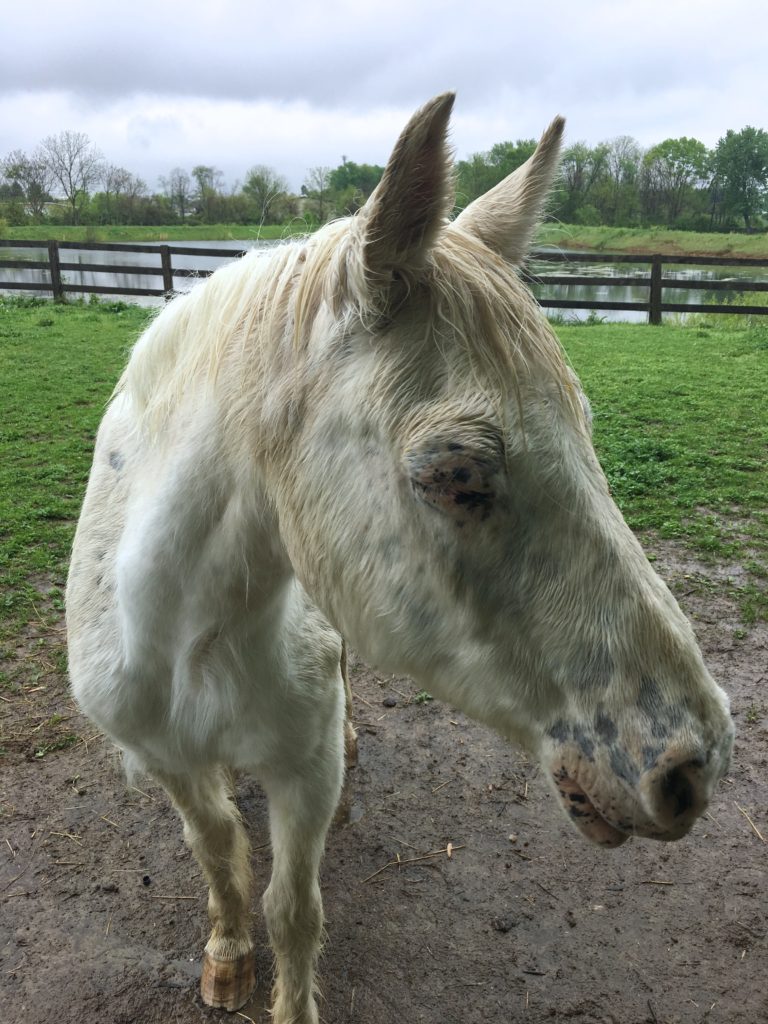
[741,174]
[210,183]
[581,170]
[76,166]
[481,171]
[351,184]
[268,192]
[30,180]
[122,198]
[177,188]
[618,200]
[671,172]
[316,191]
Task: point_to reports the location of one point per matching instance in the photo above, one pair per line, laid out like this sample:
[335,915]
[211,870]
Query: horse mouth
[583,813]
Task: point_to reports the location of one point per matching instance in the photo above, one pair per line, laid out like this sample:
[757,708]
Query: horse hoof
[227,984]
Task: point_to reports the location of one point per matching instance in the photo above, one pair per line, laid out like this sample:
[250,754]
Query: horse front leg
[350,734]
[214,832]
[300,809]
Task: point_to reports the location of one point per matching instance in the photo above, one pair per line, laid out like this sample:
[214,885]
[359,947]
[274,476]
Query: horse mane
[270,297]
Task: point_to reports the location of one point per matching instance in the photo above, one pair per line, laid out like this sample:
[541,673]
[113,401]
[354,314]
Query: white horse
[372,432]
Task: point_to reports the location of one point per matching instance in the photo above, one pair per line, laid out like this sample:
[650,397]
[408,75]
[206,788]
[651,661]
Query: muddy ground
[102,909]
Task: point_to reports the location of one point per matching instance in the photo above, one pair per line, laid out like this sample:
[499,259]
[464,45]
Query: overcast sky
[298,84]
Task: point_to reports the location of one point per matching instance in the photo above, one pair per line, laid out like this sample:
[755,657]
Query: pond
[631,292]
[194,263]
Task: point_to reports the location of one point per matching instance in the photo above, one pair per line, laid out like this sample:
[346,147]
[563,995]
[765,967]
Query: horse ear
[403,215]
[506,217]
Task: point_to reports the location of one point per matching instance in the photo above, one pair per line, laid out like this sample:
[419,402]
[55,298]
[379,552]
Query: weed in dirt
[754,713]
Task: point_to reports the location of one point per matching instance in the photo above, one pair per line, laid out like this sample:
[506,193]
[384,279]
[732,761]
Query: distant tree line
[676,183]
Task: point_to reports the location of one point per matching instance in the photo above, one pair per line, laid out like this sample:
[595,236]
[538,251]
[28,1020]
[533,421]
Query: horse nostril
[677,791]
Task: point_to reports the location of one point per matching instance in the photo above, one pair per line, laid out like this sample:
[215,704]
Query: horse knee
[294,917]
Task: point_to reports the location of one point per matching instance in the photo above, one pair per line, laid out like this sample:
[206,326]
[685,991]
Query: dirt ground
[102,909]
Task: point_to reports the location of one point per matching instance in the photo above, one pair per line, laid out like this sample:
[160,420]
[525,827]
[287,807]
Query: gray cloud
[240,82]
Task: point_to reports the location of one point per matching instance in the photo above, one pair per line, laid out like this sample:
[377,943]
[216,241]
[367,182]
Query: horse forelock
[478,296]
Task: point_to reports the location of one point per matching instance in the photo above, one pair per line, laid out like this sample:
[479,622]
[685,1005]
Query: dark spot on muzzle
[651,755]
[649,697]
[623,765]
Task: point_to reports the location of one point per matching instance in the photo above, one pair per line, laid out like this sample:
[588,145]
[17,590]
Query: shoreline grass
[157,233]
[643,241]
[648,241]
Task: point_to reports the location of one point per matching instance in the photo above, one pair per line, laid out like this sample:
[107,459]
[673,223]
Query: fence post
[165,260]
[654,311]
[54,268]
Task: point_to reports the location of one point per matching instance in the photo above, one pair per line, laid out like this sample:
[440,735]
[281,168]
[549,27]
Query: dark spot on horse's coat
[578,798]
[701,759]
[670,718]
[454,446]
[585,742]
[649,698]
[676,715]
[116,460]
[606,728]
[576,812]
[623,765]
[560,731]
[659,728]
[473,500]
[651,755]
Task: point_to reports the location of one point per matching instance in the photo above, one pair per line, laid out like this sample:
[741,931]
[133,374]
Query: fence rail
[55,268]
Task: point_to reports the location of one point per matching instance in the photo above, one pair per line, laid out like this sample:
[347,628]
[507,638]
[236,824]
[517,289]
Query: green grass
[654,240]
[58,365]
[680,426]
[159,233]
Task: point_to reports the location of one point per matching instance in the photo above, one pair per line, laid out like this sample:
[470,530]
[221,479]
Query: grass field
[680,426]
[158,233]
[681,430]
[654,240]
[568,236]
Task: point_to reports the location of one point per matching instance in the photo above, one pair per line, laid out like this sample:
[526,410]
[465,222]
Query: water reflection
[632,279]
[630,292]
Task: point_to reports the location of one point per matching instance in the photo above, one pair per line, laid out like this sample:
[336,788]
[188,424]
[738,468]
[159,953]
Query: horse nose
[676,792]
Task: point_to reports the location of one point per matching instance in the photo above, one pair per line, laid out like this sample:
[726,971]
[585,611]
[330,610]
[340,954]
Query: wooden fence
[55,268]
[655,281]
